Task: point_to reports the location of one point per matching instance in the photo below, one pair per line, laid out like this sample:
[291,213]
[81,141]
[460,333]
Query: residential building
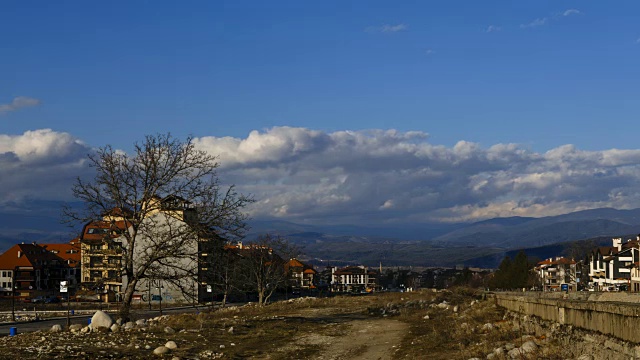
[101,260]
[610,267]
[175,280]
[554,272]
[301,276]
[353,279]
[37,269]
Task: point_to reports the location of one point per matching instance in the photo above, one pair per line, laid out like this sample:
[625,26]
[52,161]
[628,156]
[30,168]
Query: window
[4,274]
[4,284]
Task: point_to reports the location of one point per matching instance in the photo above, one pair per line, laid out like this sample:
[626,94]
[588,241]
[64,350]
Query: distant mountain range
[433,244]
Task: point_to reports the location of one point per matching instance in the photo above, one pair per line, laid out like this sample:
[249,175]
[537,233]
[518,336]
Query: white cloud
[350,176]
[17,103]
[40,164]
[545,20]
[535,23]
[361,177]
[570,12]
[387,28]
[492,28]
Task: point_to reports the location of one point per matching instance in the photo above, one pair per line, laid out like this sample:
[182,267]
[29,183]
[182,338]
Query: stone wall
[612,314]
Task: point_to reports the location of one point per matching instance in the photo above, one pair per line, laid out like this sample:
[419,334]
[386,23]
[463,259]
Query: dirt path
[369,339]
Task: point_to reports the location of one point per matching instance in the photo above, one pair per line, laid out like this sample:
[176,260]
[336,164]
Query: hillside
[430,244]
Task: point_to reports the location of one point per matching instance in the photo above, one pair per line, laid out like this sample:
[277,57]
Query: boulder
[75,328]
[585,357]
[101,319]
[487,327]
[529,347]
[129,325]
[169,330]
[141,322]
[171,345]
[56,328]
[160,350]
[115,328]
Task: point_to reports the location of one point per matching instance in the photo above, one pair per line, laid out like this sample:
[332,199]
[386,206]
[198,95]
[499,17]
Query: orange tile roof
[31,255]
[70,252]
[97,230]
[295,263]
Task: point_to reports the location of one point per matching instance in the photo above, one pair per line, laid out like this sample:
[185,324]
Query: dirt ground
[421,325]
[362,339]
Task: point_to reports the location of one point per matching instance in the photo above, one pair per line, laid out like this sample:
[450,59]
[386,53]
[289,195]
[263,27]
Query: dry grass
[301,330]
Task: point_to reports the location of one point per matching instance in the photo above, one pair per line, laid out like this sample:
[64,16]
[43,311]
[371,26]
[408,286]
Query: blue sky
[541,75]
[224,68]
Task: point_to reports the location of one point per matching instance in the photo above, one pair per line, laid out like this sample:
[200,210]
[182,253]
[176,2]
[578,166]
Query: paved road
[84,319]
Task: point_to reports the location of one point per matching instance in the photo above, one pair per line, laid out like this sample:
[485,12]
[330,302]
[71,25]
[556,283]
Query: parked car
[39,300]
[51,300]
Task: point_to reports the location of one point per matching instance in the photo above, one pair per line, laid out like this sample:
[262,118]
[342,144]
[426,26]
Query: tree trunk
[125,307]
[261,297]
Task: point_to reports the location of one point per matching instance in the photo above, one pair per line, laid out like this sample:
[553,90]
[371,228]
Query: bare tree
[169,196]
[264,261]
[223,270]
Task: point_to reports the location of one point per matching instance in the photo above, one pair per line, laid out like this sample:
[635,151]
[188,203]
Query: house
[353,279]
[610,267]
[301,276]
[37,269]
[554,272]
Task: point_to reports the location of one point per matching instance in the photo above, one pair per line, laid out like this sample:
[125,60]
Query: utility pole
[13,295]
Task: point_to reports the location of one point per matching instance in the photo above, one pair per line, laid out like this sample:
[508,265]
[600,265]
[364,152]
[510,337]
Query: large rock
[115,328]
[129,325]
[75,328]
[171,345]
[141,322]
[101,319]
[160,350]
[56,328]
[529,347]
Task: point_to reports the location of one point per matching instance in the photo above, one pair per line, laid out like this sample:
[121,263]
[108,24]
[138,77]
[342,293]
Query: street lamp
[160,287]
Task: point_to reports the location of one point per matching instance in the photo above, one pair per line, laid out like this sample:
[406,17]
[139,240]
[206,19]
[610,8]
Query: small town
[320,180]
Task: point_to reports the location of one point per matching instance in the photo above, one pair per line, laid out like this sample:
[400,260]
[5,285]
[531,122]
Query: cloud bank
[362,177]
[18,103]
[373,176]
[40,164]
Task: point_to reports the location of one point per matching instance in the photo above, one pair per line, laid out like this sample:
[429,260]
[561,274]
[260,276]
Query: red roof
[295,263]
[70,252]
[98,230]
[28,255]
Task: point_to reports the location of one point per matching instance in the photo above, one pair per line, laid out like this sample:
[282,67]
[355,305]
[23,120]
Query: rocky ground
[456,324]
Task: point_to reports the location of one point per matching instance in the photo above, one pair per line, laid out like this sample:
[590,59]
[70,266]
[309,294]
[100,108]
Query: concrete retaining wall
[595,312]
